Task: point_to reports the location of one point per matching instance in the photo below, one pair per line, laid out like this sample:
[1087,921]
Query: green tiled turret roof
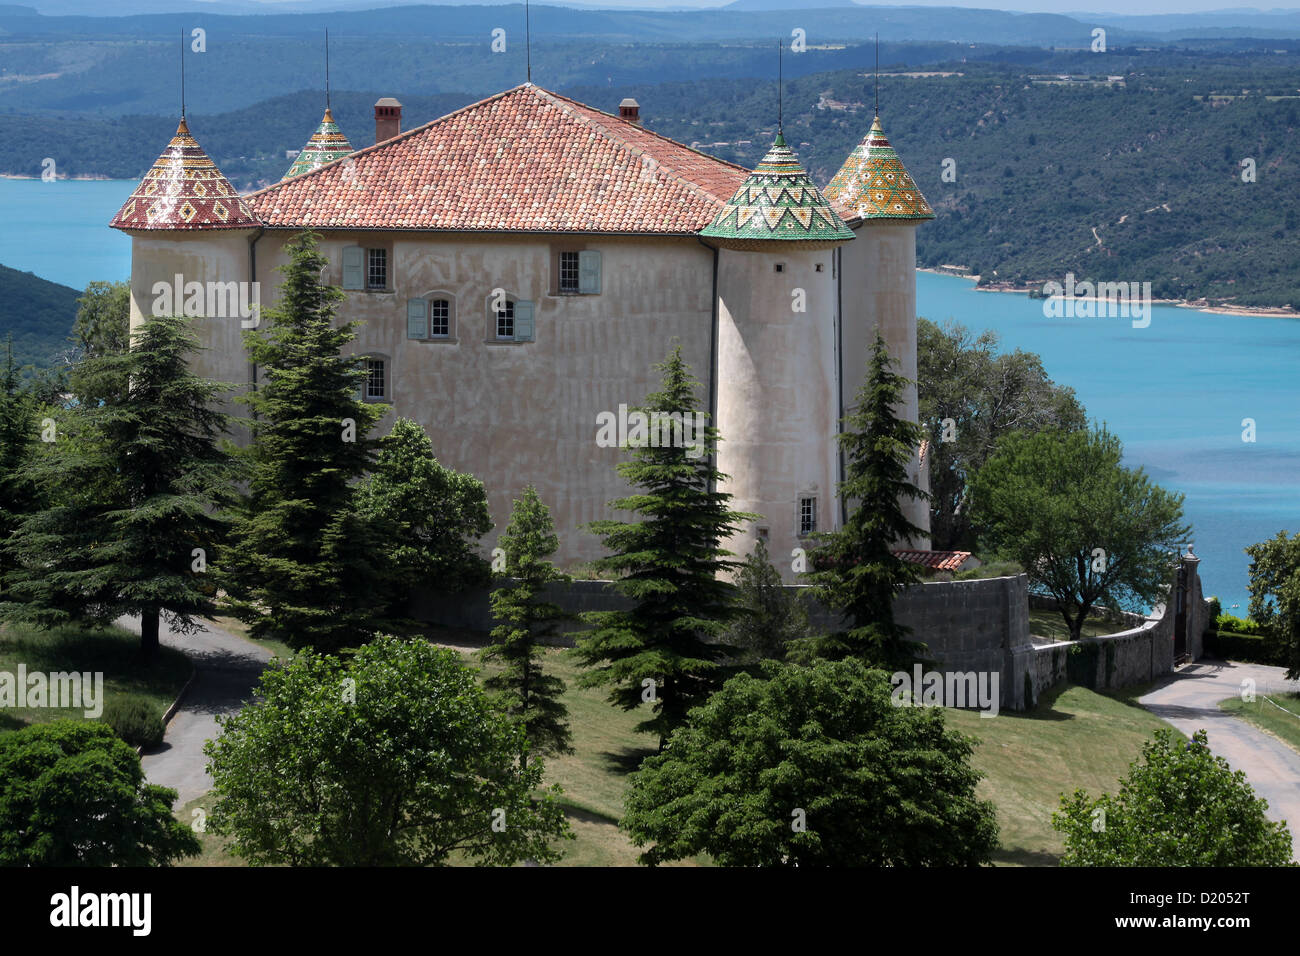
[326,145]
[777,203]
[872,183]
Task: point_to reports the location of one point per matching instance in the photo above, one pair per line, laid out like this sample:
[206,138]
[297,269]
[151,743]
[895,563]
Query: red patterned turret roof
[523,160]
[184,190]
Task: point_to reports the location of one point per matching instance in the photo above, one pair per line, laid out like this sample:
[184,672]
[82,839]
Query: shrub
[1216,608]
[135,720]
[1236,625]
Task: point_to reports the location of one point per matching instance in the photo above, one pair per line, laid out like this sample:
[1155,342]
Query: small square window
[819,267]
[778,266]
[762,534]
[569,272]
[439,318]
[376,268]
[376,381]
[807,515]
[506,321]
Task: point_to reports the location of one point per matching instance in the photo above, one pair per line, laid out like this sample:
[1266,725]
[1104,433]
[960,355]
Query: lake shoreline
[1199,305]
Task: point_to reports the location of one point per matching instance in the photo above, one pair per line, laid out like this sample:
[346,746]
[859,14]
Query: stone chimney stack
[630,110]
[388,119]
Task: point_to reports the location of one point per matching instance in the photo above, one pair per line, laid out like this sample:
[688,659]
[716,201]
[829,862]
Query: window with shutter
[523,321]
[417,319]
[589,272]
[354,267]
[440,318]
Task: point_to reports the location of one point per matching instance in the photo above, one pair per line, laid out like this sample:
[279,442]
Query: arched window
[510,319]
[431,317]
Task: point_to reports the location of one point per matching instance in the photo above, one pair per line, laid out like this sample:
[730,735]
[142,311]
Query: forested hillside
[39,314]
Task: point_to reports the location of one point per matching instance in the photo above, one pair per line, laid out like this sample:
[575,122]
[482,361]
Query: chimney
[388,119]
[630,110]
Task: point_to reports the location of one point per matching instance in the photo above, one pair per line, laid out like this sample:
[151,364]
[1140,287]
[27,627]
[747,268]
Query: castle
[520,265]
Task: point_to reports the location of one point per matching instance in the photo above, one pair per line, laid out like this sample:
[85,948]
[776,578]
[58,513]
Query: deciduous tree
[397,758]
[813,766]
[1180,806]
[1085,528]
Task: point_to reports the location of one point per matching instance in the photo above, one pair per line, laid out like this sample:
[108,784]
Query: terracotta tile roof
[872,183]
[777,203]
[526,159]
[184,190]
[936,560]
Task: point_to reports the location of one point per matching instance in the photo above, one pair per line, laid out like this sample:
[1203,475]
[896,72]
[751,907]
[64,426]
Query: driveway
[226,669]
[1190,701]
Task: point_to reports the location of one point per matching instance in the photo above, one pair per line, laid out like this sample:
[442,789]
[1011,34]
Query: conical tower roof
[872,183]
[184,190]
[326,145]
[777,203]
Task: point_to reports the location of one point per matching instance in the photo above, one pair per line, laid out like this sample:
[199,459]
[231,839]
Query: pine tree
[139,494]
[301,567]
[855,569]
[773,618]
[528,693]
[17,437]
[667,649]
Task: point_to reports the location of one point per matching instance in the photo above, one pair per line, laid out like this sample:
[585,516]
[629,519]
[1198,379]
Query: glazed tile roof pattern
[872,183]
[777,202]
[937,560]
[525,159]
[184,190]
[326,145]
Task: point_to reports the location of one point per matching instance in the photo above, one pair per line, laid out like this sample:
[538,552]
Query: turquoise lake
[1175,392]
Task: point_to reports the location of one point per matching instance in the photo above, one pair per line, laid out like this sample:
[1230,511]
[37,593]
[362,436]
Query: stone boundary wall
[979,625]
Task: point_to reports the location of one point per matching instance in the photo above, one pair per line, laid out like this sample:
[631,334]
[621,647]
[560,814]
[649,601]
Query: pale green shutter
[523,321]
[417,319]
[589,272]
[354,267]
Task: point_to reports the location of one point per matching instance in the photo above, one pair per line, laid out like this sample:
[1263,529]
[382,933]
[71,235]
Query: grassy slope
[1286,727]
[1076,738]
[113,651]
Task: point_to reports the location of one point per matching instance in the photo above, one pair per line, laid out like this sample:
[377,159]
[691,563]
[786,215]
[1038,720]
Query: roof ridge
[392,139]
[568,103]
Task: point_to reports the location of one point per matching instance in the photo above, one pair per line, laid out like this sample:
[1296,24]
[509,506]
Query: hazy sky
[1128,7]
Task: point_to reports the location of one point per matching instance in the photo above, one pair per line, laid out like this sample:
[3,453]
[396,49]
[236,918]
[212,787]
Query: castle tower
[326,145]
[881,204]
[190,234]
[777,407]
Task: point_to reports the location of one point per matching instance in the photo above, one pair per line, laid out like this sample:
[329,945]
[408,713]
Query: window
[365,269]
[778,266]
[569,272]
[439,318]
[376,268]
[509,319]
[807,515]
[376,380]
[428,318]
[577,272]
[506,321]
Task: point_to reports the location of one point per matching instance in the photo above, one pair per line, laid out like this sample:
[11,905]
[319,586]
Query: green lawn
[1050,624]
[1076,738]
[1267,716]
[113,651]
[237,627]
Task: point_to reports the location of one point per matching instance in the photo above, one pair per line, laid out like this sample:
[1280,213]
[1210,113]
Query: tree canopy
[812,766]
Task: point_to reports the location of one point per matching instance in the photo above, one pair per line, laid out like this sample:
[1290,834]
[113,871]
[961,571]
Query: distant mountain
[38,313]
